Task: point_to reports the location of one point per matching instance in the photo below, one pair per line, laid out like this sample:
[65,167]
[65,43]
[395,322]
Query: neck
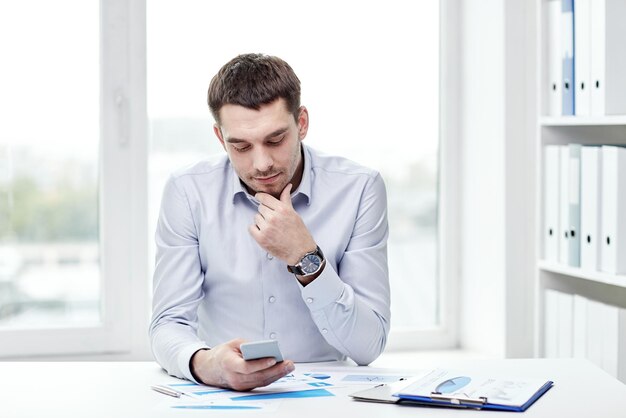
[299,173]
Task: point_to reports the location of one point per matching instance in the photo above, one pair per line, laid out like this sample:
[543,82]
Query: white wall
[482,151]
[496,133]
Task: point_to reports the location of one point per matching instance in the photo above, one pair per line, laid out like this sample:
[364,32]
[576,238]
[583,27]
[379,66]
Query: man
[272,241]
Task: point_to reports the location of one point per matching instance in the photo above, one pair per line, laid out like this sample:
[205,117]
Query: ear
[218,134]
[303,122]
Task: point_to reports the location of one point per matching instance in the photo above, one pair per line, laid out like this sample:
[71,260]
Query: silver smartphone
[261,349]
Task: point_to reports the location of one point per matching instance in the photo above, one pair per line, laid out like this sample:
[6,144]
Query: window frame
[122,200]
[125,237]
[446,335]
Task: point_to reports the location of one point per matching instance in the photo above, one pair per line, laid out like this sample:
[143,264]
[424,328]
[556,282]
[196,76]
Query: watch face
[311,263]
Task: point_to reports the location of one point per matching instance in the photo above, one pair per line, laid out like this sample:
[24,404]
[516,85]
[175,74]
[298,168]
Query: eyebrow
[274,134]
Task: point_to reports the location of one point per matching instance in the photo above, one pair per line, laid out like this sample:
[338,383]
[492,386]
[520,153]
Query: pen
[166,391]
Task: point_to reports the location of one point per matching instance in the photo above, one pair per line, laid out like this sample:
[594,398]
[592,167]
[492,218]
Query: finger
[267,200]
[285,196]
[259,236]
[266,212]
[255,232]
[254,366]
[260,221]
[267,376]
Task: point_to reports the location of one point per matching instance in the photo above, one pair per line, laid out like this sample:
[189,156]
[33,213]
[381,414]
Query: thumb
[285,195]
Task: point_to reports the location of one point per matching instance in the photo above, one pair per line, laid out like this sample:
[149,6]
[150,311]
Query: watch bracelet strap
[297,270]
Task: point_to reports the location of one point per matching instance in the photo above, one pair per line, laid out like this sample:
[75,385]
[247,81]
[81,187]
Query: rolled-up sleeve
[351,304]
[178,282]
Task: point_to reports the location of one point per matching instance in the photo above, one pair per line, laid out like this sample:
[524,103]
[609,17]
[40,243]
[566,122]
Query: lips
[267,180]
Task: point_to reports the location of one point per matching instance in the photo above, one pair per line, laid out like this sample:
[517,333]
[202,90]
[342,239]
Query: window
[49,228]
[370,79]
[74,238]
[64,165]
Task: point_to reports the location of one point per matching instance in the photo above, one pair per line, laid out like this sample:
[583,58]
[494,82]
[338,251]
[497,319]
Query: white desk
[122,389]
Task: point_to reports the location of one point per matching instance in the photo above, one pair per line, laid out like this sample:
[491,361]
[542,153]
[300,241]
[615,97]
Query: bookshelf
[618,280]
[573,282]
[600,121]
[563,130]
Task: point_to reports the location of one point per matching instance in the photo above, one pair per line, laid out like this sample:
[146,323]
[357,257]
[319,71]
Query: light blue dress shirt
[214,283]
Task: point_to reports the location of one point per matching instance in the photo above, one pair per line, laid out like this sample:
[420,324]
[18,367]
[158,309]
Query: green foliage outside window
[30,212]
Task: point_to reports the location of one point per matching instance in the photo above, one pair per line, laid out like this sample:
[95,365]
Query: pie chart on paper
[319,376]
[453,385]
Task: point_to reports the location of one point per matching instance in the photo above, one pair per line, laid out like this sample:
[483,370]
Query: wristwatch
[310,264]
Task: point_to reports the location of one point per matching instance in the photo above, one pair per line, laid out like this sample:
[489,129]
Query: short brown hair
[253,80]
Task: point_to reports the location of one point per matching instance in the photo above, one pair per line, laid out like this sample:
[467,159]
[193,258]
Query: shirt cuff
[184,359]
[327,288]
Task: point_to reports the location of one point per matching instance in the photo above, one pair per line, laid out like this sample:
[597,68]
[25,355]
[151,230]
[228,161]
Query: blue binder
[567,57]
[447,389]
[439,399]
[451,388]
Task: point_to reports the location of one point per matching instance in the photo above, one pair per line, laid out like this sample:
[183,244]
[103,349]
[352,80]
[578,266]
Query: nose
[263,161]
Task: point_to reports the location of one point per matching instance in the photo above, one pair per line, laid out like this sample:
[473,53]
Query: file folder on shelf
[621,349]
[582,57]
[595,332]
[551,203]
[573,257]
[565,325]
[610,347]
[590,199]
[606,342]
[551,323]
[608,61]
[579,336]
[564,204]
[558,340]
[553,54]
[614,355]
[448,388]
[613,221]
[567,57]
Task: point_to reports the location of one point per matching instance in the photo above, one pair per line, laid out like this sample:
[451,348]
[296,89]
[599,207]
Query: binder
[579,348]
[573,257]
[608,63]
[566,325]
[582,57]
[564,204]
[610,353]
[598,57]
[610,346]
[567,57]
[551,324]
[621,348]
[613,209]
[554,82]
[560,329]
[451,388]
[551,203]
[595,336]
[590,199]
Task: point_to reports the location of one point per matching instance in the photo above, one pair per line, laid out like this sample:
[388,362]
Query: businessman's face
[264,145]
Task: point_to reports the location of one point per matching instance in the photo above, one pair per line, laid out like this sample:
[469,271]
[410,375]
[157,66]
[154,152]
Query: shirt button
[269,256]
[309,300]
[273,335]
[272,299]
[324,331]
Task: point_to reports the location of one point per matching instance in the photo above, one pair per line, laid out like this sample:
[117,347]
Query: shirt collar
[304,188]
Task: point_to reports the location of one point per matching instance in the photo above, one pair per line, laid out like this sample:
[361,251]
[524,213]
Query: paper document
[351,377]
[266,398]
